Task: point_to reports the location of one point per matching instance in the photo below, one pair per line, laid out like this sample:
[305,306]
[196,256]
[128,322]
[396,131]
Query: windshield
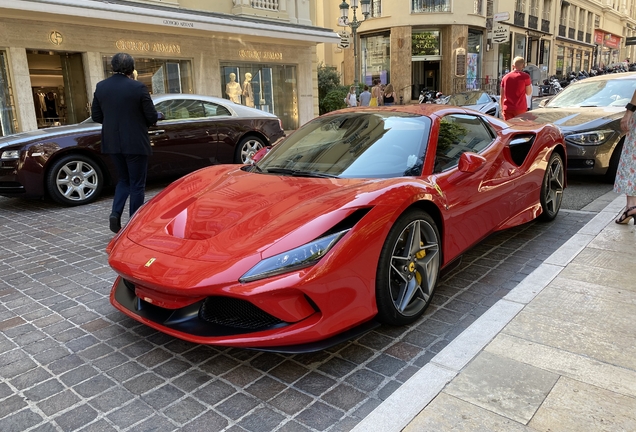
[469,98]
[353,145]
[606,93]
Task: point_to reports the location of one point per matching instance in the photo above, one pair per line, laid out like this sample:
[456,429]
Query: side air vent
[520,146]
[231,312]
[348,222]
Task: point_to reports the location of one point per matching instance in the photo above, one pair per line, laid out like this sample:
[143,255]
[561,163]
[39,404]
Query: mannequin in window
[233,89]
[248,93]
[51,110]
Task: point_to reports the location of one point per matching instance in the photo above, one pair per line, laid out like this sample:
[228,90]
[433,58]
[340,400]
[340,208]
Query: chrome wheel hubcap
[414,267]
[77,180]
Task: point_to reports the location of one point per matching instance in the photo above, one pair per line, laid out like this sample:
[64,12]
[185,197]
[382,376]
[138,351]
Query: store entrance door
[424,76]
[59,87]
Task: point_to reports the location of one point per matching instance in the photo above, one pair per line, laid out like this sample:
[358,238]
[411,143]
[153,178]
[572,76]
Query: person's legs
[122,190]
[137,170]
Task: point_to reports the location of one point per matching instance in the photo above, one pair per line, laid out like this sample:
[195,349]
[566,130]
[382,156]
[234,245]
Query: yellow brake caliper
[421,254]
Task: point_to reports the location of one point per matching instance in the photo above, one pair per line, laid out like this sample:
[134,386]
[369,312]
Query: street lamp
[354,24]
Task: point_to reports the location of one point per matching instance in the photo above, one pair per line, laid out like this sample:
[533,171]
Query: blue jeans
[131,171]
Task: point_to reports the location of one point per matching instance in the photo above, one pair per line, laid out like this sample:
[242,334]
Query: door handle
[156,132]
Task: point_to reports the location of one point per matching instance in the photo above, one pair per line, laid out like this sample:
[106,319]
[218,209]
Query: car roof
[162,96]
[611,76]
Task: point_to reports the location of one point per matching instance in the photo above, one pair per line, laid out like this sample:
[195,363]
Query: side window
[179,109]
[213,110]
[459,133]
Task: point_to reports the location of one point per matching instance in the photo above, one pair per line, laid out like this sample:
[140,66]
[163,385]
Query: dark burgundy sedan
[65,162]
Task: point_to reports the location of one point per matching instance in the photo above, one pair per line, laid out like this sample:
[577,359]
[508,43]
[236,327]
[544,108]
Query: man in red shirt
[515,87]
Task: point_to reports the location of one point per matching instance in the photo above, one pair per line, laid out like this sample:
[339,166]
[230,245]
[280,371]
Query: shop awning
[164,16]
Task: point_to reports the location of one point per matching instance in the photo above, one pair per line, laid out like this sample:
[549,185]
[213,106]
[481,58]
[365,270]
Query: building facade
[52,54]
[454,45]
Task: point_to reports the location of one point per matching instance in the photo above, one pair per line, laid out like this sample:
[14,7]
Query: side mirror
[543,103]
[160,116]
[471,162]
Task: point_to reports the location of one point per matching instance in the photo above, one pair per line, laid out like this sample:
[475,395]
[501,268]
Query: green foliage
[334,100]
[328,80]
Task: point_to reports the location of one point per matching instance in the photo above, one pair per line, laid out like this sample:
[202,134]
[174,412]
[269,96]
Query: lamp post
[354,24]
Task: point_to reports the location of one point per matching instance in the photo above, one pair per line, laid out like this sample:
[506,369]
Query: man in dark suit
[124,108]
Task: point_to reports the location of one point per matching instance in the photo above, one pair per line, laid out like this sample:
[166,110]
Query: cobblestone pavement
[69,361]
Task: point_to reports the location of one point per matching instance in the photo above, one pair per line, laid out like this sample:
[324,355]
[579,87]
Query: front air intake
[231,312]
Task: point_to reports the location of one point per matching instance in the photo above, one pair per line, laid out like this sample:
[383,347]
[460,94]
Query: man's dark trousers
[131,170]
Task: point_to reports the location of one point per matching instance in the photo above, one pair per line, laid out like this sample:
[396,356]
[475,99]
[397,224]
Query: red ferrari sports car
[344,224]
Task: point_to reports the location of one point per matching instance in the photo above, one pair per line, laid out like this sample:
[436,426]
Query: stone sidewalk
[558,353]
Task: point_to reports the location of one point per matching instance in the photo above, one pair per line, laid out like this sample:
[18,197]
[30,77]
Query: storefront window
[560,60]
[376,60]
[270,88]
[520,45]
[473,59]
[504,59]
[569,60]
[7,110]
[159,75]
[586,60]
[544,53]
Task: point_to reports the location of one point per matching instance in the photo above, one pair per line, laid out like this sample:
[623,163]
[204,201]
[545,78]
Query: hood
[573,119]
[48,133]
[235,214]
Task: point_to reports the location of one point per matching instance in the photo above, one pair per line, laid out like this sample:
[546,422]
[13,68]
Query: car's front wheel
[552,188]
[74,180]
[247,148]
[408,268]
[610,175]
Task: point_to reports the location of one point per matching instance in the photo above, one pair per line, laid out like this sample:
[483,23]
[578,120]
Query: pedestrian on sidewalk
[625,182]
[365,96]
[389,95]
[124,108]
[516,86]
[351,98]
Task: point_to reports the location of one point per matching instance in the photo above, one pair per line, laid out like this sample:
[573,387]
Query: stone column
[453,37]
[22,94]
[401,63]
[93,71]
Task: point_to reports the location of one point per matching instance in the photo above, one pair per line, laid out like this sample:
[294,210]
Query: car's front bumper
[256,329]
[590,159]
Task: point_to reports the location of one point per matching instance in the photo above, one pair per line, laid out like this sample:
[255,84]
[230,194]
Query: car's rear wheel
[552,188]
[408,268]
[74,180]
[247,148]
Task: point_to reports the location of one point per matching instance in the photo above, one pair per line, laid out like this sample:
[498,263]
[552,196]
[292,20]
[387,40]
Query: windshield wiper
[256,168]
[298,173]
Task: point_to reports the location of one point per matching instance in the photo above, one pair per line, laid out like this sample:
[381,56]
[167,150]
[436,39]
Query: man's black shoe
[115,222]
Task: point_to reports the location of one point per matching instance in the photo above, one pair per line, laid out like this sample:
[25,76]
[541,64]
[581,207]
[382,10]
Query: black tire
[408,269]
[610,175]
[74,180]
[552,188]
[247,148]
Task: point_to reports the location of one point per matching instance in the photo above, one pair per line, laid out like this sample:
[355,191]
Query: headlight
[10,155]
[303,256]
[590,138]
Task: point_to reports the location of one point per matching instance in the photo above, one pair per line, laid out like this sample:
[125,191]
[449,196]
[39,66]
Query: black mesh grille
[236,313]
